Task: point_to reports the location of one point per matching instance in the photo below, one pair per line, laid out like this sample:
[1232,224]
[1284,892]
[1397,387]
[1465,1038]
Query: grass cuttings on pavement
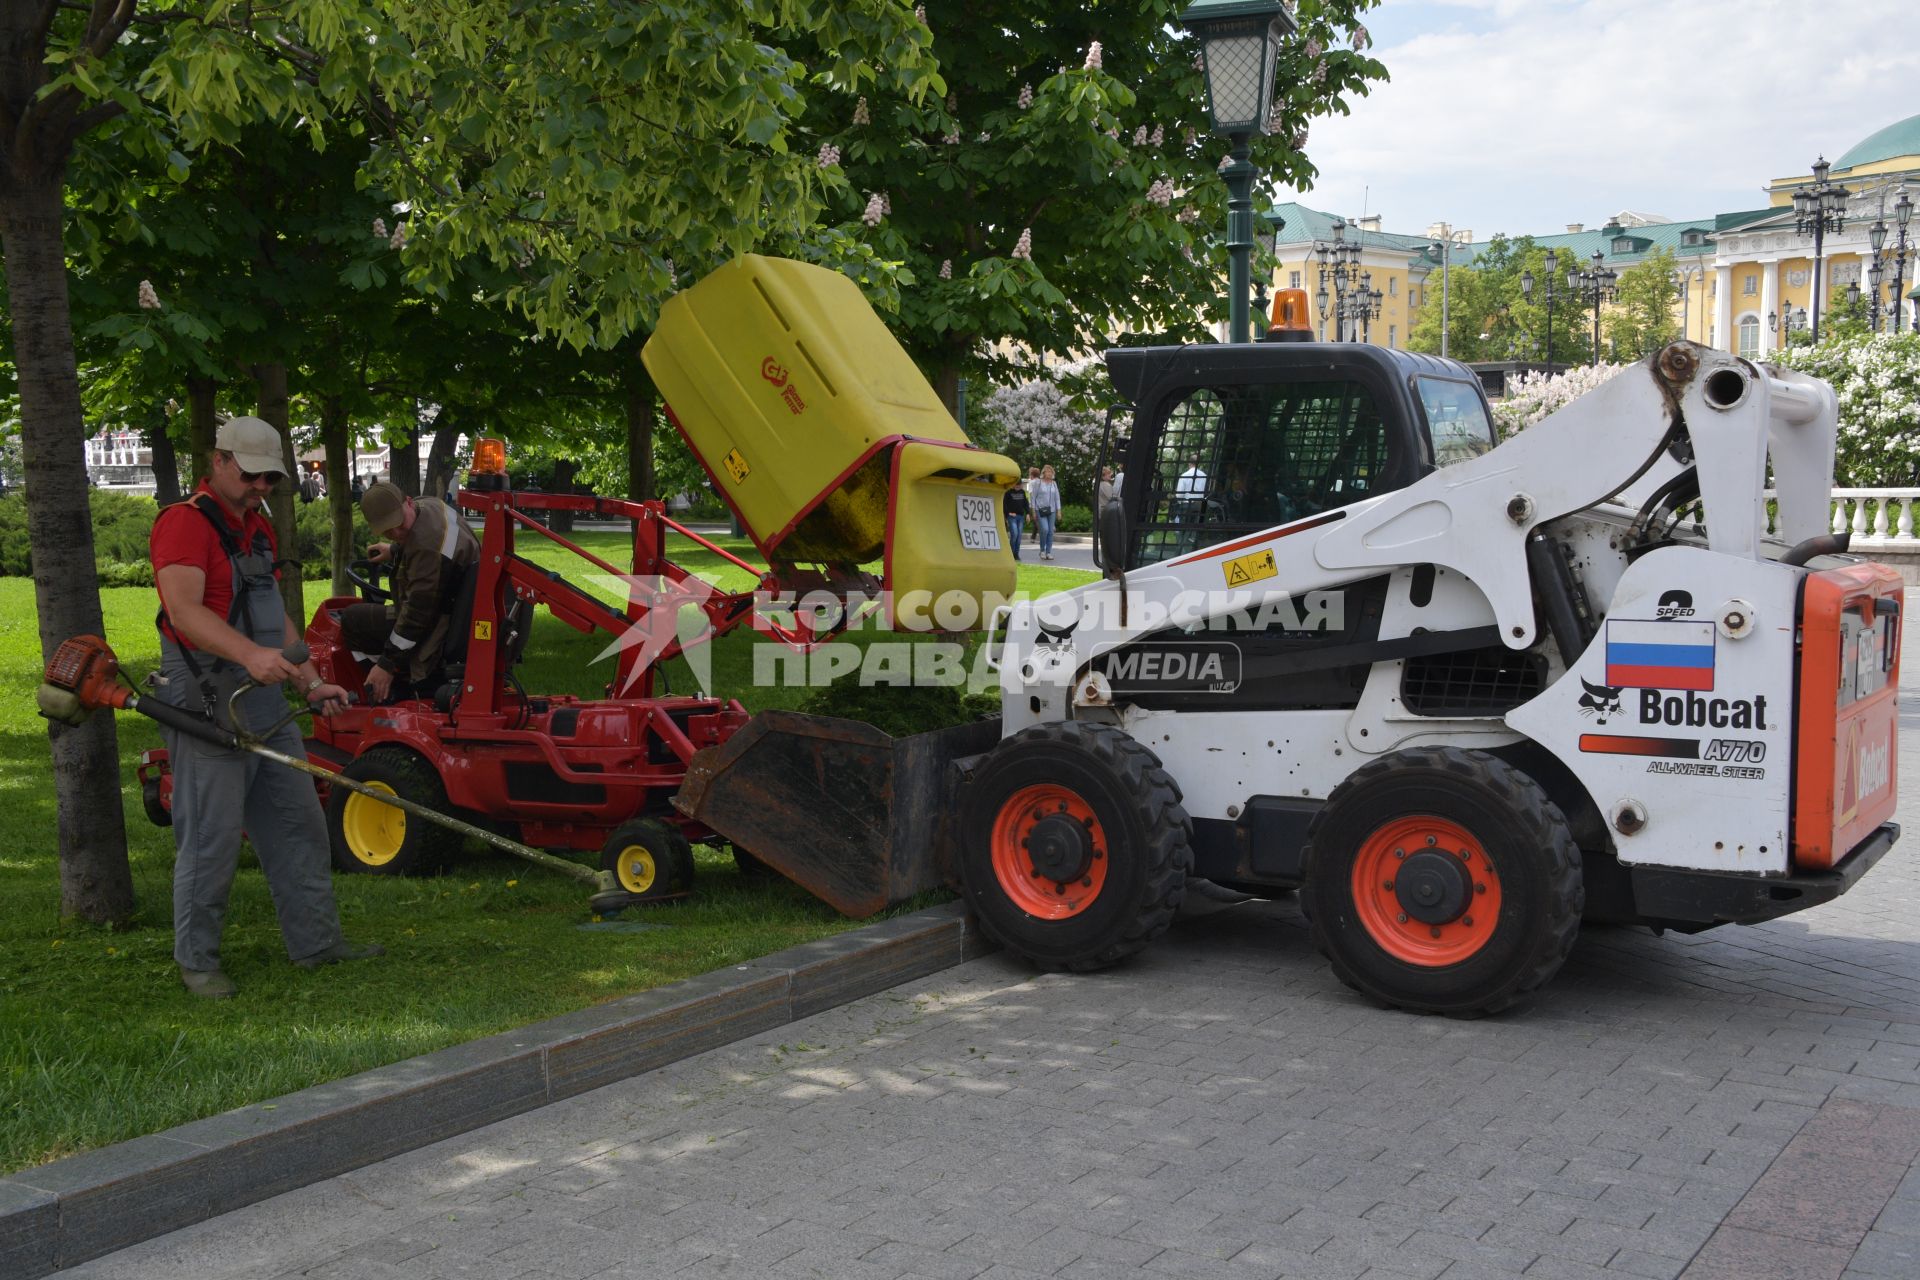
[99,1043]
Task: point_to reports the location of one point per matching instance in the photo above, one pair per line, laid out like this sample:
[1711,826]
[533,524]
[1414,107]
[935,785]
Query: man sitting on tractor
[432,550]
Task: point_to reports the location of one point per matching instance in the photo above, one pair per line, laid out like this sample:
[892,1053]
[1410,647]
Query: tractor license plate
[979,522]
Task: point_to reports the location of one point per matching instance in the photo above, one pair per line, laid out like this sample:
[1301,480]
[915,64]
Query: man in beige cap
[221,626]
[432,549]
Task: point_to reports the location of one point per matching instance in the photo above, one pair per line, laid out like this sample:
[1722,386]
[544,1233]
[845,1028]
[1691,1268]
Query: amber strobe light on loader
[83,676]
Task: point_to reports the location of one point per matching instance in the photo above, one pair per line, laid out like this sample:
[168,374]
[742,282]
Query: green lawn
[99,1043]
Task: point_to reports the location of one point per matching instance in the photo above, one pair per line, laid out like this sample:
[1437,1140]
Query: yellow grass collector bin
[821,434]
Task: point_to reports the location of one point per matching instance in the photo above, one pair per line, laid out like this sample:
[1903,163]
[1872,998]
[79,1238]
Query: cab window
[1235,460]
[1457,420]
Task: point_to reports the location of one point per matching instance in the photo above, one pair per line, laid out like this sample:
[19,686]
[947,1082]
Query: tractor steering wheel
[367,576]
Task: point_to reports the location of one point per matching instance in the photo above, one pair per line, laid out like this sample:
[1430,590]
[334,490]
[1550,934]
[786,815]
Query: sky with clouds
[1525,115]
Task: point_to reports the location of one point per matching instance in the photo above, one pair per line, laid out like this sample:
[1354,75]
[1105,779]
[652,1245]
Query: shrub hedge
[123,522]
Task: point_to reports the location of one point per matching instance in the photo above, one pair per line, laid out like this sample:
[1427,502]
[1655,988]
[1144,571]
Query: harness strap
[237,610]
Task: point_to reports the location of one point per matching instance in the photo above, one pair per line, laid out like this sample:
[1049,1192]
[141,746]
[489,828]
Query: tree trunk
[403,457]
[641,416]
[564,471]
[201,428]
[443,454]
[946,385]
[336,434]
[166,467]
[271,379]
[95,881]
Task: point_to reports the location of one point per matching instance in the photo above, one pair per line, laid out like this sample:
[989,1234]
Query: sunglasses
[248,477]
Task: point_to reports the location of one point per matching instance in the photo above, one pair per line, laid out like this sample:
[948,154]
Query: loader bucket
[856,817]
[820,433]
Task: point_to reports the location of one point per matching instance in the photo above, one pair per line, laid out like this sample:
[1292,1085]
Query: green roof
[1304,225]
[1899,139]
[1640,242]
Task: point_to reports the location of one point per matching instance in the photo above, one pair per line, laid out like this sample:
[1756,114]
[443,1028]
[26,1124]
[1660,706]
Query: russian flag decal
[1660,655]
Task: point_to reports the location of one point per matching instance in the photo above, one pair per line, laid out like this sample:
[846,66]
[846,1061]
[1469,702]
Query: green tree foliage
[1064,187]
[574,145]
[1642,319]
[596,150]
[1493,318]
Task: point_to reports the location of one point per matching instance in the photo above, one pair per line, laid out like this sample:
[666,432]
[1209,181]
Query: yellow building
[1392,264]
[1764,268]
[1742,278]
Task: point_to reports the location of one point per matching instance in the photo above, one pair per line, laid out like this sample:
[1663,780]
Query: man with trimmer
[222,633]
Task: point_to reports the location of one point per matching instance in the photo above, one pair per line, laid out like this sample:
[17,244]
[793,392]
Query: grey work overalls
[217,793]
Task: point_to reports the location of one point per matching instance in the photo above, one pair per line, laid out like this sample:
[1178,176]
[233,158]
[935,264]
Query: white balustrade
[1876,517]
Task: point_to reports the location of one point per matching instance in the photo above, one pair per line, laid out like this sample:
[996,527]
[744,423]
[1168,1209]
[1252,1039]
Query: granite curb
[65,1213]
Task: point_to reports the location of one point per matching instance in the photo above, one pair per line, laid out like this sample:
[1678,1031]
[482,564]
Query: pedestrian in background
[1046,509]
[1015,507]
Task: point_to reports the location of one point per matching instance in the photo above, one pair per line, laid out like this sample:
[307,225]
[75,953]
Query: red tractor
[554,772]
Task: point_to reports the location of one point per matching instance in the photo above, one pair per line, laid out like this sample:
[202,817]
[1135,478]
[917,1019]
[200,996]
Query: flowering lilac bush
[1036,424]
[1877,378]
[1532,396]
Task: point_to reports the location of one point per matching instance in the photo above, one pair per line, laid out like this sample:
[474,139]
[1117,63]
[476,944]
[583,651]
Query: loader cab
[1229,440]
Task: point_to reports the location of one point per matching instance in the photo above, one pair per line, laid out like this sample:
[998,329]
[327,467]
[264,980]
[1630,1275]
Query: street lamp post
[1526,291]
[1362,305]
[1444,247]
[1683,276]
[1876,273]
[1594,285]
[1902,211]
[1817,210]
[1339,263]
[1239,47]
[1786,322]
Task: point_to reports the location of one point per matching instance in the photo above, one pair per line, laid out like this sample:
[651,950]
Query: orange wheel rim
[1426,892]
[1049,851]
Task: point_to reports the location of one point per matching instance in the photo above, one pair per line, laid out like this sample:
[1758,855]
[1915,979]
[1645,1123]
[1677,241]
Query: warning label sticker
[736,465]
[1242,570]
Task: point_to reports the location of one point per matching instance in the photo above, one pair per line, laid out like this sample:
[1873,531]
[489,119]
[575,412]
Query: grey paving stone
[1883,1253]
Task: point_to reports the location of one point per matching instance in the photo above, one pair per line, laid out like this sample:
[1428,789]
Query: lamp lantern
[1239,49]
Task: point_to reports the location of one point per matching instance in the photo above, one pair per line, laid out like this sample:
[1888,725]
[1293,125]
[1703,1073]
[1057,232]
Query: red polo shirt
[184,537]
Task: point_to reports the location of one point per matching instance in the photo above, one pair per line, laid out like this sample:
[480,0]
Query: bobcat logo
[1599,701]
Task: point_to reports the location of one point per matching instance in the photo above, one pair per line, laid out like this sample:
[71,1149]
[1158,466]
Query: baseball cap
[254,444]
[384,506]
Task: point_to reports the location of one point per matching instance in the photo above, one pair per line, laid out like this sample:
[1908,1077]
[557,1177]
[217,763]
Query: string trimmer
[84,676]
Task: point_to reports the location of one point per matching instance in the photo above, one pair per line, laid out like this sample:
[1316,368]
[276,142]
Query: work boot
[342,951]
[208,984]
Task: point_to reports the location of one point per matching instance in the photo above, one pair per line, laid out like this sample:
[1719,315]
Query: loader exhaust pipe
[83,676]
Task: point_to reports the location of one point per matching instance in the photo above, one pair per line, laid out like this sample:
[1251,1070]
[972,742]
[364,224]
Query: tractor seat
[517,624]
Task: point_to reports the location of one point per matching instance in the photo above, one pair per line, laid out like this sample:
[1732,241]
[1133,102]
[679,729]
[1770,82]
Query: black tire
[1107,819]
[157,813]
[1392,906]
[371,838]
[649,859]
[752,868]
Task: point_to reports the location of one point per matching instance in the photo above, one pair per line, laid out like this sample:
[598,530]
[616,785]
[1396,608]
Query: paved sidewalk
[1222,1108]
[1743,1103]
